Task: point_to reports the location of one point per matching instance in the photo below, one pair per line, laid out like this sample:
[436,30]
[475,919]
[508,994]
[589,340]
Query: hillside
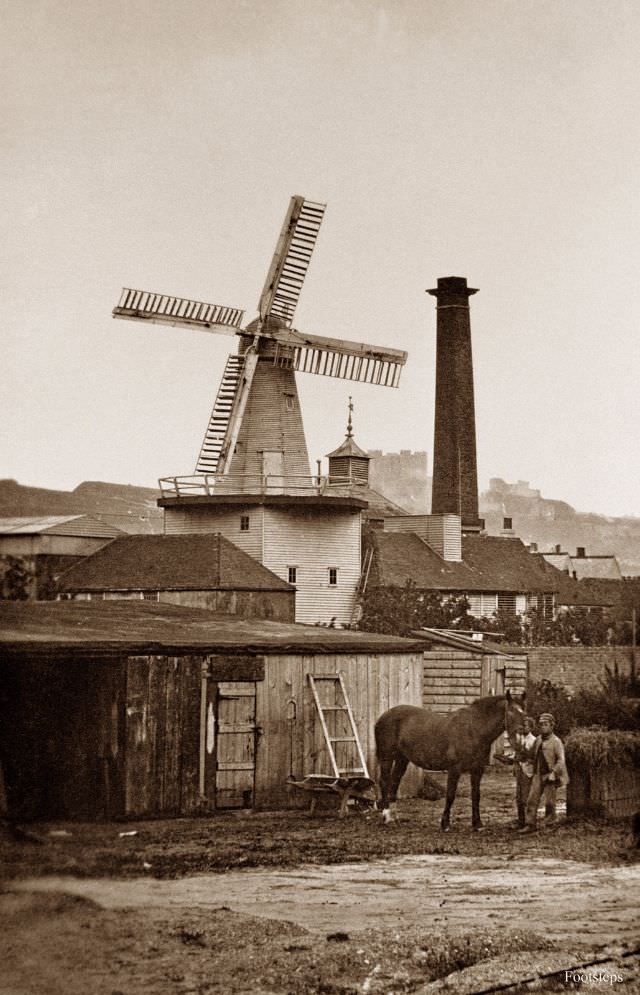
[535,519]
[132,509]
[549,523]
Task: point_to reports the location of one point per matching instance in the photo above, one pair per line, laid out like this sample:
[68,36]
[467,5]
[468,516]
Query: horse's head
[514,716]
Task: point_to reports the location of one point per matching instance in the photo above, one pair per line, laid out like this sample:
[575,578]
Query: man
[523,768]
[549,773]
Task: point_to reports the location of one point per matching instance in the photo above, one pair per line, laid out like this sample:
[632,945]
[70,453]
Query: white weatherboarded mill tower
[252,479]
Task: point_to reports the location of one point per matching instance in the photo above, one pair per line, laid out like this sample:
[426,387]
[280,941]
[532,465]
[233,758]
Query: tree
[399,611]
[17,579]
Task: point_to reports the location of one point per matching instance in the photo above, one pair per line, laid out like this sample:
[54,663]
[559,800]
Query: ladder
[362,586]
[332,686]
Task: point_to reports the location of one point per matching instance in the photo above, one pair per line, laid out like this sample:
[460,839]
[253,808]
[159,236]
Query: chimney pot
[581,552]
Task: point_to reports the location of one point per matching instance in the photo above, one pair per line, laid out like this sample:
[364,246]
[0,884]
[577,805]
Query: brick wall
[576,667]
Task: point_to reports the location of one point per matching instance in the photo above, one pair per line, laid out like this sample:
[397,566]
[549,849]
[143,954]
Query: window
[150,595]
[333,576]
[292,574]
[244,523]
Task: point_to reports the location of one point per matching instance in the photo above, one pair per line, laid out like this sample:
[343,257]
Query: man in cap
[549,773]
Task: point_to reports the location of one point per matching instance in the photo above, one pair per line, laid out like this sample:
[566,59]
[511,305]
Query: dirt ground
[290,903]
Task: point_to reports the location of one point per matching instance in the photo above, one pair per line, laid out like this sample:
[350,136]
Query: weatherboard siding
[453,679]
[224,520]
[313,541]
[271,423]
[292,744]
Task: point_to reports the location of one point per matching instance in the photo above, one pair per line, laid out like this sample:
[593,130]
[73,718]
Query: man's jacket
[552,759]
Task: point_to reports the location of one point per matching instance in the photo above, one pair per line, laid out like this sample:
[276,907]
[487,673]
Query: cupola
[349,463]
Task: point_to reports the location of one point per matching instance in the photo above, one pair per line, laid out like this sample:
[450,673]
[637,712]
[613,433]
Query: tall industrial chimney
[455,474]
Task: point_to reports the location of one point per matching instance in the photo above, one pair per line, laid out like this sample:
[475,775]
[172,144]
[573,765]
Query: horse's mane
[488,703]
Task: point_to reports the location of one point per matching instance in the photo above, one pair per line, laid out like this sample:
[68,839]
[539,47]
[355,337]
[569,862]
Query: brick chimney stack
[455,474]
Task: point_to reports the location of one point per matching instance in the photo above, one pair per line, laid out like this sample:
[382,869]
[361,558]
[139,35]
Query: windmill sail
[255,428]
[339,358]
[291,260]
[144,305]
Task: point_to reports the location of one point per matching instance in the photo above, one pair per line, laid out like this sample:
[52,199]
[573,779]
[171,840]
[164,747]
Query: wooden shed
[122,709]
[459,669]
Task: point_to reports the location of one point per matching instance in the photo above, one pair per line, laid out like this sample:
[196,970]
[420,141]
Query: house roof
[190,562]
[466,643]
[489,563]
[65,525]
[78,628]
[506,563]
[580,593]
[601,567]
[605,567]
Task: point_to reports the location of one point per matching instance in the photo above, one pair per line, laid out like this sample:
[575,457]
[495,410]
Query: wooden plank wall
[162,735]
[292,742]
[279,606]
[60,737]
[453,678]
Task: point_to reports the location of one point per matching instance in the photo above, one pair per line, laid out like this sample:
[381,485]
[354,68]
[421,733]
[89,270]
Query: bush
[608,707]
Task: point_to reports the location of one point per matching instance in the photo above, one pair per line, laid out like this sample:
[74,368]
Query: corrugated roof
[66,525]
[189,562]
[44,628]
[489,563]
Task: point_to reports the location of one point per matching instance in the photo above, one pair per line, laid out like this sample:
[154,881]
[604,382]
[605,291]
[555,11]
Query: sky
[156,145]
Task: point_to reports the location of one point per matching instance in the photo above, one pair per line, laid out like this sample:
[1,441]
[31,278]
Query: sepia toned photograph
[320,497]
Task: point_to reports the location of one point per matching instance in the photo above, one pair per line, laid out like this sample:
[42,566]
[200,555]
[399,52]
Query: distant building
[520,489]
[403,478]
[581,566]
[201,571]
[35,550]
[494,573]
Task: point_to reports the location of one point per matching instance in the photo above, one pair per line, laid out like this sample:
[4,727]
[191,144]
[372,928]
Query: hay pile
[597,747]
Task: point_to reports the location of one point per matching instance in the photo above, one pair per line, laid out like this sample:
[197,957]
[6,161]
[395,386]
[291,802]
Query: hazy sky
[156,145]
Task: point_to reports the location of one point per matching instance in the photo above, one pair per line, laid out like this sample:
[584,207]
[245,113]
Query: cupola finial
[349,422]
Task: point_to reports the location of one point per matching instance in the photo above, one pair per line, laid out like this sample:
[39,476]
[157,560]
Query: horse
[458,742]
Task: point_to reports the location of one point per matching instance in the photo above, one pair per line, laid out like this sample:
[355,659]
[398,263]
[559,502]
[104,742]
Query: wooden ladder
[340,705]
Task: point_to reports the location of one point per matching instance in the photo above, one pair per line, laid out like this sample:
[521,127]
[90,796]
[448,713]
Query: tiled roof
[506,563]
[66,525]
[489,563]
[53,628]
[171,563]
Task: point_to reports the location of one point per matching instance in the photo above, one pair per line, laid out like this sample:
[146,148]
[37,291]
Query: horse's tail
[386,733]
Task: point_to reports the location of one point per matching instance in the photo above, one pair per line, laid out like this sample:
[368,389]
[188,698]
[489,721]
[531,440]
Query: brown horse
[456,742]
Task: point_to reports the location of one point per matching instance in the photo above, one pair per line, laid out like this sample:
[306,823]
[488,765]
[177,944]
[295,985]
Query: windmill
[255,426]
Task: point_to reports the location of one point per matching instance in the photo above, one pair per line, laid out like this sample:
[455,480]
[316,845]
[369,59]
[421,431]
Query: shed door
[236,745]
[493,675]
